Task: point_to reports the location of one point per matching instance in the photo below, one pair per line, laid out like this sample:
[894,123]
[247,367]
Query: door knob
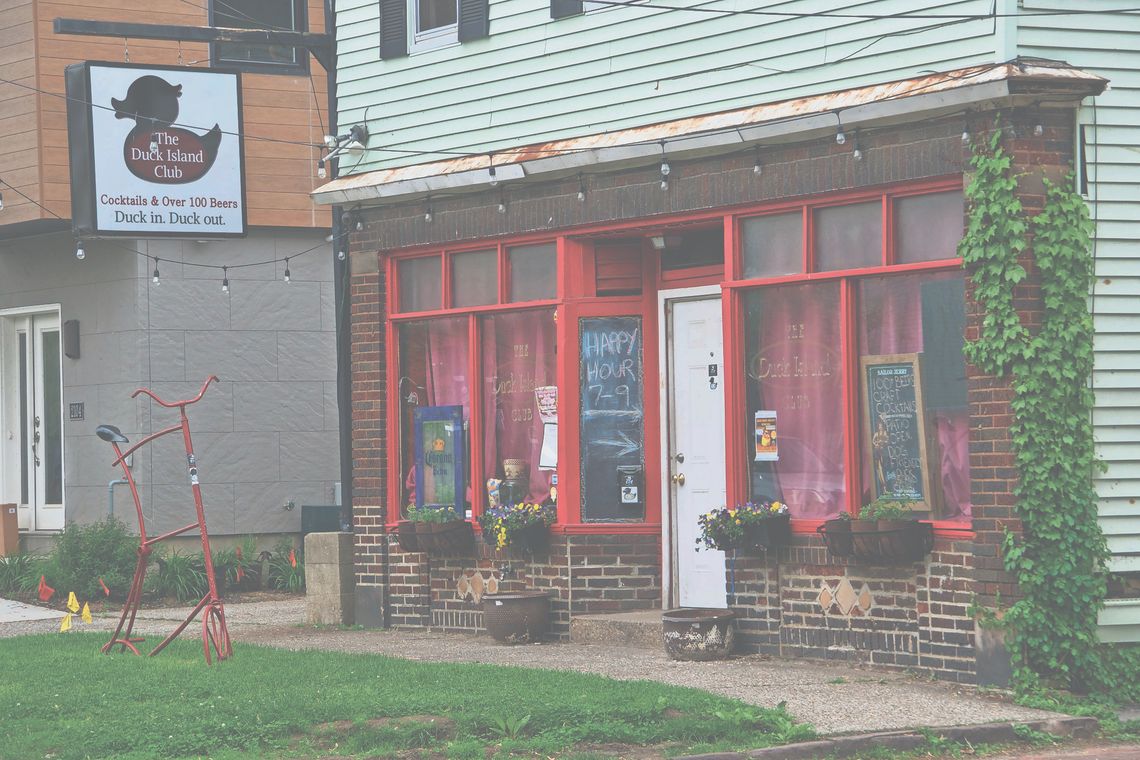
[679,478]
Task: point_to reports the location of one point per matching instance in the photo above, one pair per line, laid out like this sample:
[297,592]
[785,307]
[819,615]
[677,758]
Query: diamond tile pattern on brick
[826,597]
[845,596]
[866,600]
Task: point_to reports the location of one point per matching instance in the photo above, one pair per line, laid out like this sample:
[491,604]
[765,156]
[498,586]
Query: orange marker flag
[45,591]
[240,573]
[72,602]
[106,591]
[86,615]
[292,558]
[65,624]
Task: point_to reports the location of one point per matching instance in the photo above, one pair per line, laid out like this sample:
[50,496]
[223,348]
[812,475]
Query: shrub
[182,576]
[287,567]
[85,553]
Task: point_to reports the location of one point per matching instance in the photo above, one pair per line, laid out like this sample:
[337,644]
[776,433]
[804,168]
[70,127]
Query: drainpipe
[111,494]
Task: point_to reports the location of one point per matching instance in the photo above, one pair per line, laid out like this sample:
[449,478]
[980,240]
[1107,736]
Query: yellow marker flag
[65,624]
[72,602]
[86,616]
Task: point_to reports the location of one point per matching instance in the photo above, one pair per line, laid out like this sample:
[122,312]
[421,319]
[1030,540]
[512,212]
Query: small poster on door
[766,450]
[546,396]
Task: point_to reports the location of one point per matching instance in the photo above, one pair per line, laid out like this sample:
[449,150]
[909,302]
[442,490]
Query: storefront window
[420,284]
[773,245]
[928,227]
[433,372]
[915,438]
[518,353]
[848,237]
[533,272]
[794,387]
[474,278]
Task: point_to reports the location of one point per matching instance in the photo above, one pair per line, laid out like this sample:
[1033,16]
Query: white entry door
[696,444]
[31,391]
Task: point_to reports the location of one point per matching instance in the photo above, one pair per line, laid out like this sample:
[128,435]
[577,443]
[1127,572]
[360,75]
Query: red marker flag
[45,590]
[106,591]
[292,558]
[240,573]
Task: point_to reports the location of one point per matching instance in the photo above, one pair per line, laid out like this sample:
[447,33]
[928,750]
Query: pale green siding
[536,79]
[1109,46]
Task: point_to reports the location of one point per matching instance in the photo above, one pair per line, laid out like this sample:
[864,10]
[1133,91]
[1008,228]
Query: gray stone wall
[265,436]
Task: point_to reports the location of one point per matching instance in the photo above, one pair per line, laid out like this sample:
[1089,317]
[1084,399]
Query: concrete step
[640,629]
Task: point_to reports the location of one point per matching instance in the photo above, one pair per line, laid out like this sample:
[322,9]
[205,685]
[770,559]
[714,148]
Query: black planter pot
[768,534]
[455,537]
[837,535]
[517,618]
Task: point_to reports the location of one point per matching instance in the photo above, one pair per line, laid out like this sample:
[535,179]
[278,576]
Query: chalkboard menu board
[895,427]
[612,419]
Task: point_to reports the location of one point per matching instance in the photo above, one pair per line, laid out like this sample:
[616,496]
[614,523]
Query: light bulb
[79,252]
[758,168]
[581,195]
[428,215]
[665,168]
[286,270]
[502,209]
[340,255]
[321,173]
[154,277]
[493,179]
[1038,130]
[857,154]
[664,184]
[840,138]
[154,142]
[225,281]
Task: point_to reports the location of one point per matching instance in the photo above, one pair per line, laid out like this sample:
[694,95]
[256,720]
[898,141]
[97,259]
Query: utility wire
[901,15]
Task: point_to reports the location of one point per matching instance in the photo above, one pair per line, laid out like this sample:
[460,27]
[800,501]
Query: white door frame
[9,449]
[669,584]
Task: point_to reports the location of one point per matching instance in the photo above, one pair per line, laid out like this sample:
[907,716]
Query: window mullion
[849,358]
[475,434]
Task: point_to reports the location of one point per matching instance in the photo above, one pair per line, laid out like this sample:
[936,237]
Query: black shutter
[564,8]
[473,20]
[393,28]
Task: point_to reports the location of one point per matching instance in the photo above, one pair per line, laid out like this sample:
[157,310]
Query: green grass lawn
[61,698]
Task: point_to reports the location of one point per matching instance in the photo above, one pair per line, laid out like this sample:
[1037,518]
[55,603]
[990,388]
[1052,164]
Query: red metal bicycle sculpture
[214,633]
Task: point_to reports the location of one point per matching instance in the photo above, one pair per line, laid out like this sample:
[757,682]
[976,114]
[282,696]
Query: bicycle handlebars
[185,402]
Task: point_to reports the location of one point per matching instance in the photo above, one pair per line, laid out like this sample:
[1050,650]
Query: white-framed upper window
[433,23]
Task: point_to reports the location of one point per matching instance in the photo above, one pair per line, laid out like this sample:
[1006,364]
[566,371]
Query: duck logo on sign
[155,150]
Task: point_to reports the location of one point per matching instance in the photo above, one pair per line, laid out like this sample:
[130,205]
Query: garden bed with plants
[97,562]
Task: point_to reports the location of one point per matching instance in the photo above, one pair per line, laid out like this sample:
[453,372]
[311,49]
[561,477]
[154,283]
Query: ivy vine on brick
[1059,558]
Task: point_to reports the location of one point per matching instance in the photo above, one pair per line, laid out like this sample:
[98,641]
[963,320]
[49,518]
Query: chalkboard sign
[612,419]
[895,427]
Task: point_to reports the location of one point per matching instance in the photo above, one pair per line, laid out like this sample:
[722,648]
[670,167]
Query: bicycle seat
[111,434]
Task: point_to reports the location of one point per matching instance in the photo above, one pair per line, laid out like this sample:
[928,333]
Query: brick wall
[911,616]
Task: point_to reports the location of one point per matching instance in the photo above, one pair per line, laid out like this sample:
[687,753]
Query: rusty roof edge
[726,131]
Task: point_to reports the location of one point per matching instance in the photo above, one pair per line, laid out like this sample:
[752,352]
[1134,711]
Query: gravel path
[835,698]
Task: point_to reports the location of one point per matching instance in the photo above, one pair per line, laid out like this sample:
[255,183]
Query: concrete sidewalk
[835,698]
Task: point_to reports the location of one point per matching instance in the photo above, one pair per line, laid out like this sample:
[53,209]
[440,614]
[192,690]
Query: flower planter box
[904,542]
[517,618]
[768,534]
[455,537]
[692,633]
[406,535]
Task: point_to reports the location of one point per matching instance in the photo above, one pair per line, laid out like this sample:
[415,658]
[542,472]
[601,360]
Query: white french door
[31,393]
[696,444]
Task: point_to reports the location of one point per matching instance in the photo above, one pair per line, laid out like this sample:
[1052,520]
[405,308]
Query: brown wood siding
[287,110]
[19,147]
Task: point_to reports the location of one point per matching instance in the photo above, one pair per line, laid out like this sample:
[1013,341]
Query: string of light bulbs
[156,278]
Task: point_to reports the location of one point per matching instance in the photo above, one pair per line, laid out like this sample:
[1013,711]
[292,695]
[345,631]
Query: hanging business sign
[155,151]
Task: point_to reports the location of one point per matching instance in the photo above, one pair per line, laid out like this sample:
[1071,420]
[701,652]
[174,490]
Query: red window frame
[575,298]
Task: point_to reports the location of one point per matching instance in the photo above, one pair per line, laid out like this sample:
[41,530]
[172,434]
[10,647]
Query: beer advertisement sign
[155,151]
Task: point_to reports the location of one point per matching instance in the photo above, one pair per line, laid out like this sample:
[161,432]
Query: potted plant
[762,525]
[524,526]
[440,530]
[836,534]
[888,531]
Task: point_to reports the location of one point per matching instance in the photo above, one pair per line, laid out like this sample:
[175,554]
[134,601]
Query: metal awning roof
[1020,82]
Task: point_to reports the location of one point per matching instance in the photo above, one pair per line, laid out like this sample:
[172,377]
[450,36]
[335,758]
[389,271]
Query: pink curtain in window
[798,369]
[433,367]
[518,355]
[891,323]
